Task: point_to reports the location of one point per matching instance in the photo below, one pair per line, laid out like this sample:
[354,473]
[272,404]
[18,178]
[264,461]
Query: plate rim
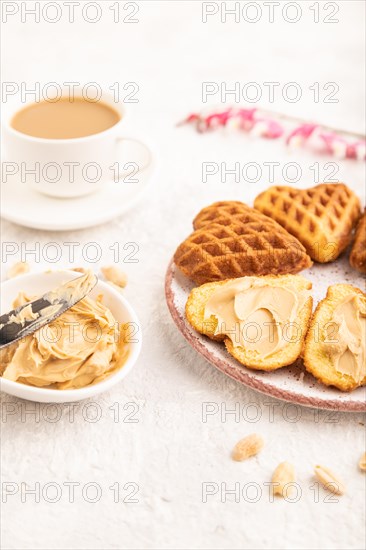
[196,342]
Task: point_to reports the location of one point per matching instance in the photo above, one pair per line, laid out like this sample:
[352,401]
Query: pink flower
[218,119]
[270,129]
[246,117]
[301,134]
[356,150]
[334,144]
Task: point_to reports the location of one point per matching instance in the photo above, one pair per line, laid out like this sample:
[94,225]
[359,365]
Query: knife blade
[29,317]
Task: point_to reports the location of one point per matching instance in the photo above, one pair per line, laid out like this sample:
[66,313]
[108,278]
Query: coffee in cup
[66,118]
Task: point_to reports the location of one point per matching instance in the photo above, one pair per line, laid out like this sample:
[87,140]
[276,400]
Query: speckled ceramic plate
[291,383]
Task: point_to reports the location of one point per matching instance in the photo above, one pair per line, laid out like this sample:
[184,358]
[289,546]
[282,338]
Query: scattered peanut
[115,275]
[18,269]
[362,463]
[247,447]
[329,480]
[282,476]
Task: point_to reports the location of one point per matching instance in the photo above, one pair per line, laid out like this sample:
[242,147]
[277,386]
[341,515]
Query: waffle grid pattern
[321,218]
[233,240]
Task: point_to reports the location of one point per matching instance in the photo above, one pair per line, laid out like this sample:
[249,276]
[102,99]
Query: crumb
[18,269]
[115,275]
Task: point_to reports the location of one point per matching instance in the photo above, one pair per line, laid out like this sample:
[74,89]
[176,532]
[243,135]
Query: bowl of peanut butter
[88,349]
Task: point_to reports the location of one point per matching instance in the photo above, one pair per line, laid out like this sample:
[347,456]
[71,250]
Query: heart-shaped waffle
[227,213]
[322,218]
[233,240]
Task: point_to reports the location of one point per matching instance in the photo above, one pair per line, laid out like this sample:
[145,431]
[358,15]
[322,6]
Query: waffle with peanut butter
[334,349]
[261,320]
[322,218]
[233,240]
[357,258]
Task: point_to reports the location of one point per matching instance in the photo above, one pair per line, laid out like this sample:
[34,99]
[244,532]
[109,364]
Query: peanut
[247,447]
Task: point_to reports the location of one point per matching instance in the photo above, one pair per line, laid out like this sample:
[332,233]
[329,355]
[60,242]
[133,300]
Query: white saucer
[22,205]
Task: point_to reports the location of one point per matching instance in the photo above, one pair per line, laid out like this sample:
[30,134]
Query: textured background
[169,451]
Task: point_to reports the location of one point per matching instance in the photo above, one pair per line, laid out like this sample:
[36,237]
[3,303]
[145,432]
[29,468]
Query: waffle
[195,313]
[322,217]
[251,244]
[227,213]
[324,339]
[357,258]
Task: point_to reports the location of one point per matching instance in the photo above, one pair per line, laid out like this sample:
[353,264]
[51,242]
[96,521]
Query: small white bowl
[39,283]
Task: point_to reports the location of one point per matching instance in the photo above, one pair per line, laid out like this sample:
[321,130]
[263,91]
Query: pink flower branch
[269,125]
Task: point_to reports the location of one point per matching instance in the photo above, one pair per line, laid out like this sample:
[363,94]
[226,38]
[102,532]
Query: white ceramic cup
[67,168]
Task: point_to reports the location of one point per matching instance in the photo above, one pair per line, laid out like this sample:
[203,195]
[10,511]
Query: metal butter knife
[28,318]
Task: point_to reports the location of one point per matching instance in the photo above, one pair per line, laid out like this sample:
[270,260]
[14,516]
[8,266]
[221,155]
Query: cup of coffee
[71,146]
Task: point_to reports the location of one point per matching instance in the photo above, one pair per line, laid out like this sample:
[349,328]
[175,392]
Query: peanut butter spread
[346,338]
[26,314]
[76,289]
[258,315]
[81,347]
